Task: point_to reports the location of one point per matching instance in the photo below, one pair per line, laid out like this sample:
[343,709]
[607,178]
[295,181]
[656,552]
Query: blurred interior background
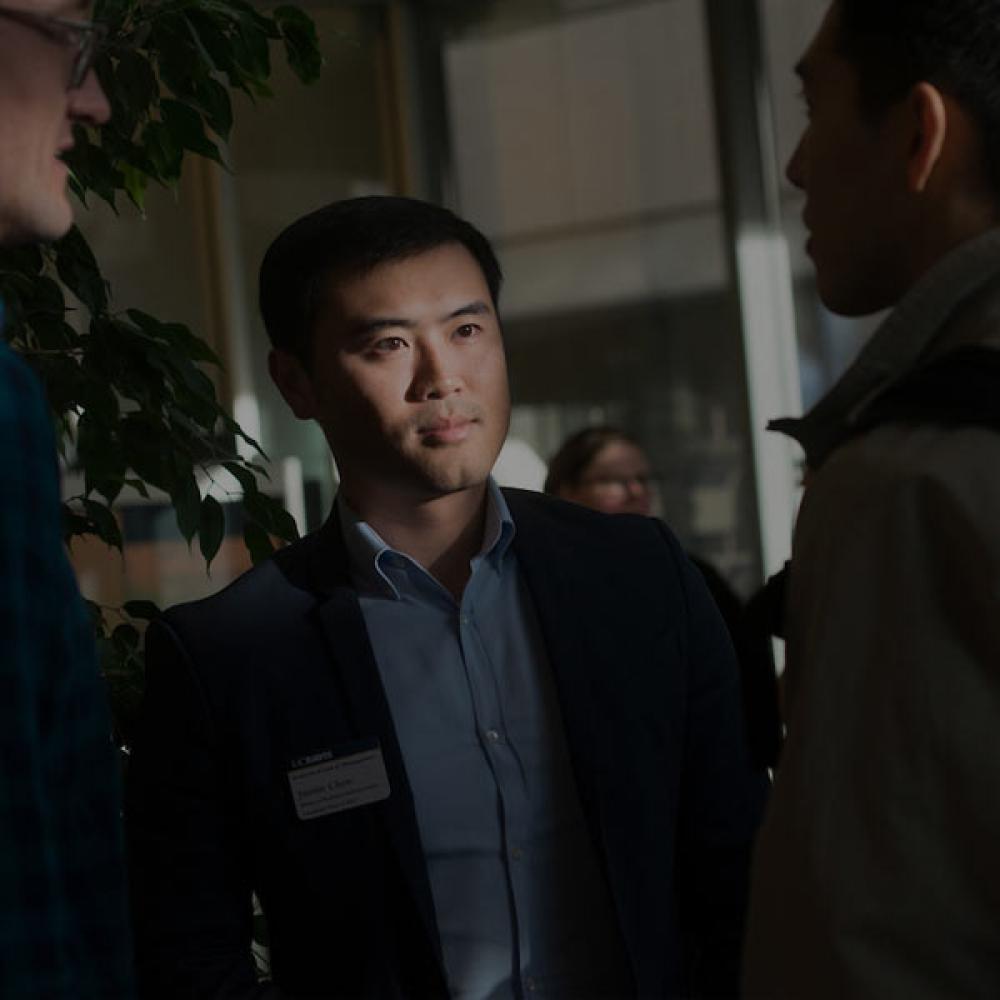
[625,157]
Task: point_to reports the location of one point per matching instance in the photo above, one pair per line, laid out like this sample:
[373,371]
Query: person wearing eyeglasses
[46,87]
[606,469]
[63,925]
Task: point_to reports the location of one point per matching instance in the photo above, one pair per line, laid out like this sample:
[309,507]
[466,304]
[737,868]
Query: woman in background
[604,468]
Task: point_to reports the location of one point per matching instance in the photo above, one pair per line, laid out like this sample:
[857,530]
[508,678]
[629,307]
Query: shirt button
[493,736]
[465,619]
[530,984]
[516,853]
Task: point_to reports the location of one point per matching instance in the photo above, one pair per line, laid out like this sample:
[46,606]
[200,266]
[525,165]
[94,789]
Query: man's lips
[448,431]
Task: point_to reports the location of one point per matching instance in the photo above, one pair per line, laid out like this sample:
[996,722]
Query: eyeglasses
[619,483]
[83,37]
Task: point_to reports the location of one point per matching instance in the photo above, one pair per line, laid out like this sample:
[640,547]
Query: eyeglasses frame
[86,37]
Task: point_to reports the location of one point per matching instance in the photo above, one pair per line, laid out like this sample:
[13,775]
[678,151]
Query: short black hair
[350,238]
[569,464]
[952,44]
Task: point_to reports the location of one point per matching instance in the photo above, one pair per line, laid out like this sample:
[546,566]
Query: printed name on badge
[336,785]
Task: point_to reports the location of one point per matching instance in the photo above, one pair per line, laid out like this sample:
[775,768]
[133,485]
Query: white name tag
[343,783]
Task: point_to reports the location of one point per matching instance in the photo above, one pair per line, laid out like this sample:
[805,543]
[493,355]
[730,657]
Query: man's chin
[443,479]
[44,221]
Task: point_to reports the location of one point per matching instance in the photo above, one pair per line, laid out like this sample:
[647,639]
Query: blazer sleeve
[191,892]
[722,799]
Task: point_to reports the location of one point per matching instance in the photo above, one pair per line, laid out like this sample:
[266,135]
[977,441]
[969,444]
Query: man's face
[852,172]
[37,114]
[409,377]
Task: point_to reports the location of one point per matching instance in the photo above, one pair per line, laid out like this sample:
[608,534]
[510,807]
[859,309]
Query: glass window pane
[584,144]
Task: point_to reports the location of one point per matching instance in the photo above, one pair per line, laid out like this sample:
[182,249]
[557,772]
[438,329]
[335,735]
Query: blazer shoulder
[570,517]
[637,544]
[270,591]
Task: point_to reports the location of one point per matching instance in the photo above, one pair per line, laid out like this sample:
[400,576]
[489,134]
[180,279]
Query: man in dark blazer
[461,741]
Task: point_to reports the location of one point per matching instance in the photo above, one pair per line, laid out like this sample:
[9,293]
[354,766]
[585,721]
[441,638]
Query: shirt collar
[912,330]
[372,558]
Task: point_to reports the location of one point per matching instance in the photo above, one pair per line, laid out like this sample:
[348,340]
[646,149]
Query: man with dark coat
[461,741]
[877,872]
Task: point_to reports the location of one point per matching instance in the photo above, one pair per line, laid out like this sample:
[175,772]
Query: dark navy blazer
[278,667]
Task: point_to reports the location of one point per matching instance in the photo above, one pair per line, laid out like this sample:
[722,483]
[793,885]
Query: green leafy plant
[134,405]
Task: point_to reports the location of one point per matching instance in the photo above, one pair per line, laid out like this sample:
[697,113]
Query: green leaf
[208,34]
[45,296]
[178,59]
[126,636]
[21,260]
[271,515]
[243,476]
[61,375]
[175,334]
[143,445]
[53,333]
[212,528]
[101,455]
[105,524]
[136,78]
[79,271]
[109,655]
[301,42]
[187,505]
[145,611]
[135,183]
[234,428]
[98,400]
[92,167]
[188,129]
[139,486]
[74,524]
[257,541]
[214,100]
[165,154]
[251,51]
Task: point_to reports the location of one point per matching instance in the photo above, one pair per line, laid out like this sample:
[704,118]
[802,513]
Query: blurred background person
[606,469]
[63,931]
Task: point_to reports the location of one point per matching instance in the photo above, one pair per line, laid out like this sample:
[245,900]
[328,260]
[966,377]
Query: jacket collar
[925,323]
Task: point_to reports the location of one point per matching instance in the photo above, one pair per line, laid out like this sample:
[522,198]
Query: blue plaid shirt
[63,923]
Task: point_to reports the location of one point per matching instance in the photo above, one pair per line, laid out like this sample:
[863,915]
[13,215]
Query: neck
[441,533]
[963,221]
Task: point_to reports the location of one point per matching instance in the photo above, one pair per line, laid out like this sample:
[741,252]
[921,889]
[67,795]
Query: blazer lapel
[545,560]
[571,612]
[353,661]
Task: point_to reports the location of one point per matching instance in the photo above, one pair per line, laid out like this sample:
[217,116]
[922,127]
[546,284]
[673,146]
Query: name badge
[341,783]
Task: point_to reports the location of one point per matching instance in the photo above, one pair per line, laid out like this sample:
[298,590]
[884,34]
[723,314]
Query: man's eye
[467,330]
[389,344]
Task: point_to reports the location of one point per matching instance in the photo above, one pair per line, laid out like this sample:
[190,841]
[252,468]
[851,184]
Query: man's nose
[88,103]
[434,377]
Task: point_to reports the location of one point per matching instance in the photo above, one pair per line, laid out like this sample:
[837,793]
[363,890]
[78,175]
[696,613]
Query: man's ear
[930,118]
[295,386]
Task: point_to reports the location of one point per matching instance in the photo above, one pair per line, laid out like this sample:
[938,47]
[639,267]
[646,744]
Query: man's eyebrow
[369,326]
[478,308]
[376,324]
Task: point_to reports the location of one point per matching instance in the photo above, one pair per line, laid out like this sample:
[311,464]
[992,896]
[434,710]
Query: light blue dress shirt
[522,906]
